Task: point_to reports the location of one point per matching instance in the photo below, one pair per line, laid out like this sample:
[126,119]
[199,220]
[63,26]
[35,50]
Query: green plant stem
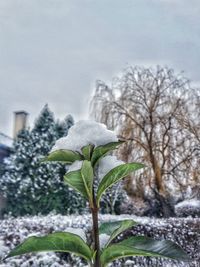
[95,211]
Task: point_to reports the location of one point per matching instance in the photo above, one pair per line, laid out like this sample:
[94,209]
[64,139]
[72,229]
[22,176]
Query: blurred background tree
[157,113]
[32,187]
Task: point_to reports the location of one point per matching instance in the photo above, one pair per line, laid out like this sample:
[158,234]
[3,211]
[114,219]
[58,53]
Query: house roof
[5,140]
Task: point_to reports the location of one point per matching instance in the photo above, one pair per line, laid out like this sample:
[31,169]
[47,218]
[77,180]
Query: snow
[130,263]
[106,164]
[83,133]
[3,249]
[76,165]
[15,230]
[77,231]
[189,203]
[188,207]
[103,239]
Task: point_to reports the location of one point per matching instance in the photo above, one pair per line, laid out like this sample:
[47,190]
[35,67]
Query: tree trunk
[166,208]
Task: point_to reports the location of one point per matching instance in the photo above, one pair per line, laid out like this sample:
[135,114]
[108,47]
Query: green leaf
[88,177]
[101,151]
[115,175]
[56,242]
[113,229]
[74,179]
[63,156]
[82,180]
[87,151]
[143,246]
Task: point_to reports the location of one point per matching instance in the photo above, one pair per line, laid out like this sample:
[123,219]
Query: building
[20,122]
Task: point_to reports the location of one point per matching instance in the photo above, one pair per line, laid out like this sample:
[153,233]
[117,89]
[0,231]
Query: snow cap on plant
[83,133]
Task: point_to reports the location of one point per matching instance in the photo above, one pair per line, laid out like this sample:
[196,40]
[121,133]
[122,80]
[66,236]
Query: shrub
[92,141]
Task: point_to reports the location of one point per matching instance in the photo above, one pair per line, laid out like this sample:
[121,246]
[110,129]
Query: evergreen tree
[32,187]
[16,176]
[2,169]
[64,126]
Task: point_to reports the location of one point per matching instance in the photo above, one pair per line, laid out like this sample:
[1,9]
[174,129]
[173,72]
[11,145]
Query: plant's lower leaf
[116,174]
[143,246]
[56,242]
[63,156]
[101,151]
[113,229]
[74,179]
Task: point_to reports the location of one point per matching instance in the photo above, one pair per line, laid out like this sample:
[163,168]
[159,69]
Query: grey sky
[52,51]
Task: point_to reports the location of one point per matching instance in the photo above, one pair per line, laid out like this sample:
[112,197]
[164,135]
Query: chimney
[20,121]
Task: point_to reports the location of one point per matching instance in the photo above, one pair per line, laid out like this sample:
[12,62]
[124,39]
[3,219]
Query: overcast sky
[53,51]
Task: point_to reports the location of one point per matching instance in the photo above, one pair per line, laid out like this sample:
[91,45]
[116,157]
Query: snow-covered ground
[189,203]
[14,230]
[188,207]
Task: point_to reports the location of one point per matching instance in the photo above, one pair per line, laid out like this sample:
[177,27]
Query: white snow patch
[77,231]
[33,234]
[3,249]
[76,165]
[83,133]
[189,203]
[130,263]
[106,164]
[103,239]
[15,230]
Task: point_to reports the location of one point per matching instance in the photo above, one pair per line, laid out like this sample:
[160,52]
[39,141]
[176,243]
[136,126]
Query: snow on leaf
[103,238]
[77,231]
[83,133]
[76,165]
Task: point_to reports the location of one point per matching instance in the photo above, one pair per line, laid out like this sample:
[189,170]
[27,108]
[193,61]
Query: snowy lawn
[188,207]
[14,230]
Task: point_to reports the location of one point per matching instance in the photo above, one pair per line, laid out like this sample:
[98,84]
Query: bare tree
[189,119]
[146,106]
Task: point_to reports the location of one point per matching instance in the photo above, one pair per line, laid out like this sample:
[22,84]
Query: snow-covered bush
[188,207]
[15,230]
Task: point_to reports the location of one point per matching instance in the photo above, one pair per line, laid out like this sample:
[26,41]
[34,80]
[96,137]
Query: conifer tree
[16,179]
[30,186]
[64,126]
